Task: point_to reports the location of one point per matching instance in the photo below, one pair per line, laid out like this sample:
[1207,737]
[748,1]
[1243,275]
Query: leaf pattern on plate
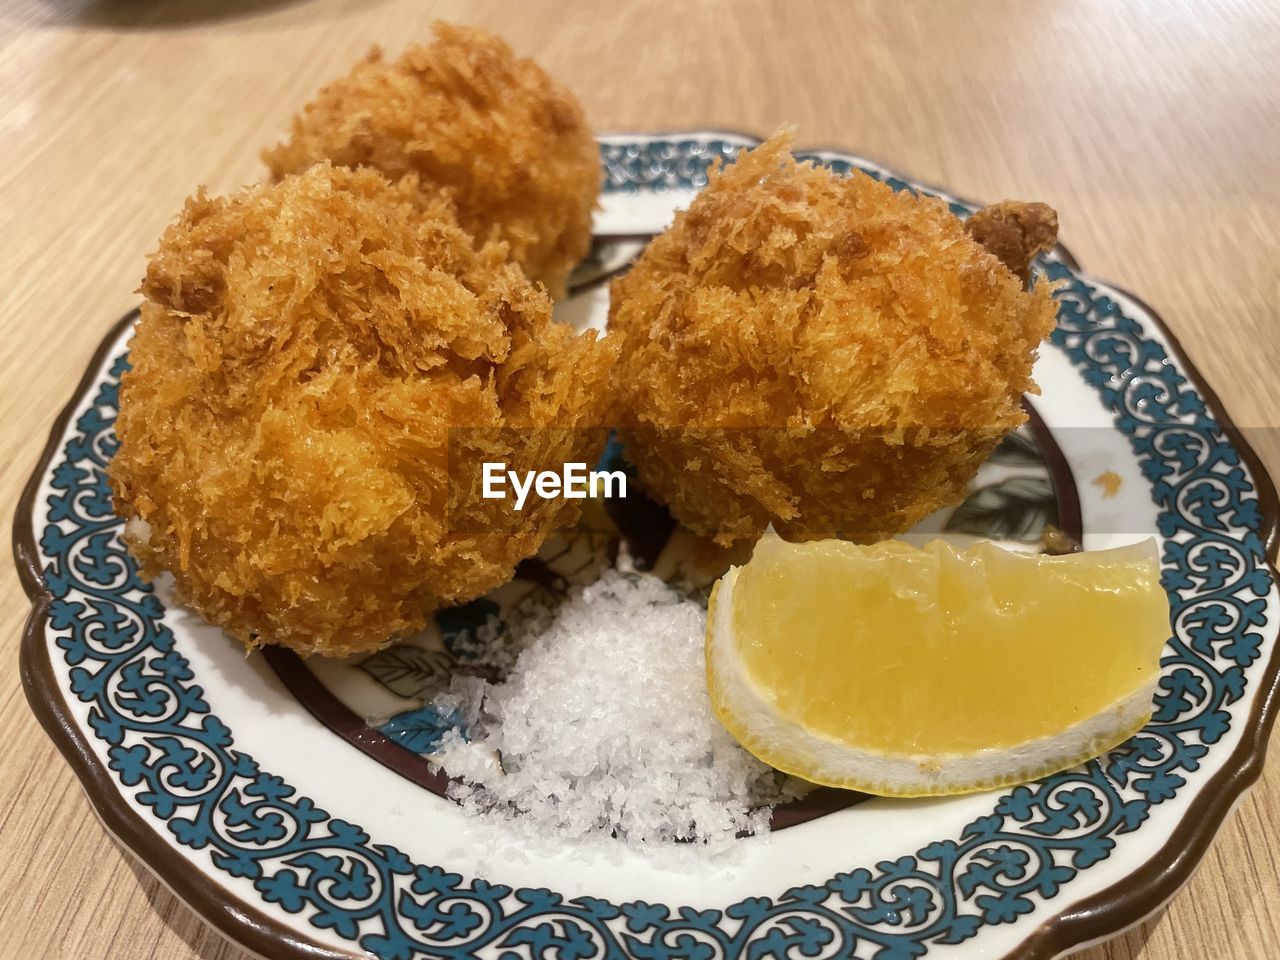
[418,730]
[1018,449]
[465,619]
[1014,509]
[410,672]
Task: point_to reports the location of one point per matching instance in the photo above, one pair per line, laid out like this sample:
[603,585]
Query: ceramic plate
[287,803]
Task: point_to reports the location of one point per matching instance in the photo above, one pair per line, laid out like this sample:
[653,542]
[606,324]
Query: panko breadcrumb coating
[1015,232]
[303,351]
[509,144]
[817,352]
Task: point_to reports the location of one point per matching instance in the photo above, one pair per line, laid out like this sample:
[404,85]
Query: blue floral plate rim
[1097,917]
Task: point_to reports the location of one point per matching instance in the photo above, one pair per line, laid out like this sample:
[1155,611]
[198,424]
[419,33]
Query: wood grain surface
[1152,125]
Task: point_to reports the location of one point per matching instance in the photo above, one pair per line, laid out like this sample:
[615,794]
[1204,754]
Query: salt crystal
[604,726]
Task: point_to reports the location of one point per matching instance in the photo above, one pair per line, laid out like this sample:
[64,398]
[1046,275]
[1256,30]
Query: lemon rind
[762,730]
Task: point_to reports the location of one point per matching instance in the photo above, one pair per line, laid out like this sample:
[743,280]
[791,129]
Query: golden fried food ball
[508,144]
[285,430]
[817,352]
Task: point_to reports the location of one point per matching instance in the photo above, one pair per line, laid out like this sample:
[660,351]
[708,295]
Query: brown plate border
[1143,892]
[1102,915]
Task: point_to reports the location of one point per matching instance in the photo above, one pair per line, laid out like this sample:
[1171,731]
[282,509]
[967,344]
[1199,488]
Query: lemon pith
[908,672]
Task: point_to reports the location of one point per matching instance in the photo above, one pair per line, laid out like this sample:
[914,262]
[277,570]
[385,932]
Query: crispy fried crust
[1016,232]
[303,351]
[510,145]
[818,352]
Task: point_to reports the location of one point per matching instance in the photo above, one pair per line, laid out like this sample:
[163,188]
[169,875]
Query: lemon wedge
[905,671]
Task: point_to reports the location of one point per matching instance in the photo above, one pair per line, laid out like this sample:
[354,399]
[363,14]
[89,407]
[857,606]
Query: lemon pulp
[929,651]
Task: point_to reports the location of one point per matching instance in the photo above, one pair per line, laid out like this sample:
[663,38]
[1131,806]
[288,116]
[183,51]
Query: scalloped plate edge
[1098,917]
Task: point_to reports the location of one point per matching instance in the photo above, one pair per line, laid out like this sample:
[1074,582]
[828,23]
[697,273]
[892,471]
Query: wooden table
[1154,127]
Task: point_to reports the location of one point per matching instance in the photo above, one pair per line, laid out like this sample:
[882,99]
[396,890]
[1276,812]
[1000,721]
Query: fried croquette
[1015,232]
[817,352]
[304,353]
[508,144]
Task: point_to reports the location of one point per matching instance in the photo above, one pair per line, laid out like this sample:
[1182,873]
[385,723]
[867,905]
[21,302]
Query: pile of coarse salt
[604,726]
